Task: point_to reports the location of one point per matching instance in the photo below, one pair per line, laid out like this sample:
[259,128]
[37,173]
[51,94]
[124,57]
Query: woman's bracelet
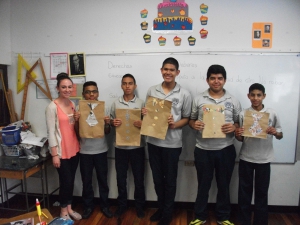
[55,155]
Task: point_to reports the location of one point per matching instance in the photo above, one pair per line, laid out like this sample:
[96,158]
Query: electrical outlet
[189,163]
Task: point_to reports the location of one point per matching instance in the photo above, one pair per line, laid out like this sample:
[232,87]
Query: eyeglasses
[90,92]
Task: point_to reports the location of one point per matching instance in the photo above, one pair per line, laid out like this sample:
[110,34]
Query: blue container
[11,135]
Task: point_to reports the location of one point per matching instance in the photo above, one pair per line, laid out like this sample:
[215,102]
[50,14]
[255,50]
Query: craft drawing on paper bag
[127,134]
[155,122]
[255,124]
[91,122]
[213,118]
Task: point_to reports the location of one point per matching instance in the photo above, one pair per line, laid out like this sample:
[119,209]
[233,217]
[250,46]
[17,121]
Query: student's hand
[56,161]
[106,120]
[76,115]
[239,131]
[144,111]
[137,123]
[116,122]
[271,130]
[198,125]
[171,122]
[228,128]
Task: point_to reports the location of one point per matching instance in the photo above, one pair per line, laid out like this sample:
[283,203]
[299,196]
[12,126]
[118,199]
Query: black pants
[66,174]
[136,158]
[87,164]
[222,163]
[261,185]
[164,165]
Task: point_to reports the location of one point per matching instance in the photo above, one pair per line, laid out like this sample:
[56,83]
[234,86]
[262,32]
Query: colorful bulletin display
[172,15]
[262,35]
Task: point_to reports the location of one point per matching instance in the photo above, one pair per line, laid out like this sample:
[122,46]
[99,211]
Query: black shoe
[120,211]
[87,213]
[140,213]
[107,212]
[165,220]
[157,215]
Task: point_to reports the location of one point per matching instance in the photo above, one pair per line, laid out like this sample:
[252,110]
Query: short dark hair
[128,75]
[216,69]
[62,76]
[257,86]
[89,83]
[172,61]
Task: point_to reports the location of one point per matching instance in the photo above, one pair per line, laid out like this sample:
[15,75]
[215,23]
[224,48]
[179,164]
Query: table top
[14,163]
[29,215]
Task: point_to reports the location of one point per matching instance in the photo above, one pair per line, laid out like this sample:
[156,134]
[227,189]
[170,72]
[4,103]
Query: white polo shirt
[232,109]
[134,103]
[181,108]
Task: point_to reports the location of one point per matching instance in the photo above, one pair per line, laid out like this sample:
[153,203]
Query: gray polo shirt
[181,108]
[258,150]
[134,103]
[92,145]
[232,110]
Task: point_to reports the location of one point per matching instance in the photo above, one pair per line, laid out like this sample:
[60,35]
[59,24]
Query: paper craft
[127,134]
[214,118]
[155,122]
[172,15]
[91,122]
[255,124]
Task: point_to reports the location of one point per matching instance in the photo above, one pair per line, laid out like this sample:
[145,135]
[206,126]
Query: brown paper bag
[155,122]
[91,121]
[214,118]
[127,134]
[256,124]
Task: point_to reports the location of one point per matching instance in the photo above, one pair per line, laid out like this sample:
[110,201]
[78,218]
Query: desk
[21,169]
[29,215]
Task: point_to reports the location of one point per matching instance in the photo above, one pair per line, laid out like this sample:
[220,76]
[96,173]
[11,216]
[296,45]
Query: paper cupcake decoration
[191,40]
[203,33]
[177,41]
[203,20]
[144,13]
[147,38]
[144,25]
[203,8]
[162,41]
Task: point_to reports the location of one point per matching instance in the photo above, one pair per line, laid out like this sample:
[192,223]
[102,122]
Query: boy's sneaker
[197,222]
[225,222]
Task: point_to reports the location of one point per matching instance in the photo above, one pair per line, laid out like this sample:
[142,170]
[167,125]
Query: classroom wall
[5,40]
[95,27]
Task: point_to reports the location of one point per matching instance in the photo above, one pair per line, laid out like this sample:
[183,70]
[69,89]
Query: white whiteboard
[279,75]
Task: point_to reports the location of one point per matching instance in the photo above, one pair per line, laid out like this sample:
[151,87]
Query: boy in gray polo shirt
[214,154]
[129,154]
[93,154]
[255,157]
[164,154]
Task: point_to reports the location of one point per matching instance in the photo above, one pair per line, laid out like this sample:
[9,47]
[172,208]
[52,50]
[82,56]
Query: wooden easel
[9,102]
[29,77]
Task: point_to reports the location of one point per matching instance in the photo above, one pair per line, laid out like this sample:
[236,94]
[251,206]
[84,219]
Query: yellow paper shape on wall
[20,83]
